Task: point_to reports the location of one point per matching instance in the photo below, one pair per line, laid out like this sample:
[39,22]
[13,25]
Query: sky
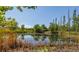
[41,15]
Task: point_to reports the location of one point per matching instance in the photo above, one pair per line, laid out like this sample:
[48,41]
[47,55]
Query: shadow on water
[53,37]
[22,36]
[9,41]
[39,37]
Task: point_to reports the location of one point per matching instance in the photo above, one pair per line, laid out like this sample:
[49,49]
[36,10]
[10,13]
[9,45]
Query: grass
[71,35]
[9,43]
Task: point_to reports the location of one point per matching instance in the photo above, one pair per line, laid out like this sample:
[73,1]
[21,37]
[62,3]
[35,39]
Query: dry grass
[11,44]
[66,35]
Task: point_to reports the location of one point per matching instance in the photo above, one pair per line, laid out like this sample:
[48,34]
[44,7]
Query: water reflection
[38,40]
[52,39]
[35,39]
[22,36]
[38,37]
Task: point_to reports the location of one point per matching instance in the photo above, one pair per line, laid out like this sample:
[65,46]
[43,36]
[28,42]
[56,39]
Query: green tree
[22,28]
[53,27]
[28,7]
[44,28]
[78,23]
[69,20]
[11,24]
[64,20]
[74,21]
[38,28]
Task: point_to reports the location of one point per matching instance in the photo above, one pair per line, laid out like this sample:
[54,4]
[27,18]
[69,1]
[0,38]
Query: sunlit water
[52,42]
[35,39]
[53,39]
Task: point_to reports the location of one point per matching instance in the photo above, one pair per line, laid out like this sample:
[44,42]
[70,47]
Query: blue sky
[41,15]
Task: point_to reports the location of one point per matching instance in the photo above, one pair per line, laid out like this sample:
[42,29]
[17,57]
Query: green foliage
[75,26]
[74,20]
[40,28]
[37,28]
[22,27]
[44,28]
[20,8]
[64,20]
[10,23]
[5,8]
[53,27]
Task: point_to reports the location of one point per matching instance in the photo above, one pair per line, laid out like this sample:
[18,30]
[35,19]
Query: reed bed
[10,43]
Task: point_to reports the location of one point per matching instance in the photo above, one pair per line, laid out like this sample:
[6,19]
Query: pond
[51,39]
[37,43]
[34,39]
[55,41]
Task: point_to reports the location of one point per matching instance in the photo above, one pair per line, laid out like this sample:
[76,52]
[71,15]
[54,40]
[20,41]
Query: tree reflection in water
[39,37]
[22,36]
[53,38]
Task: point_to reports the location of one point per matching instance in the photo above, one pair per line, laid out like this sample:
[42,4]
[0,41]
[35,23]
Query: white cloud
[26,26]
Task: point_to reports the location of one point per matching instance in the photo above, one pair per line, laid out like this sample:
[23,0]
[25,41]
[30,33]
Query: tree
[3,10]
[37,28]
[20,8]
[52,27]
[69,20]
[44,28]
[22,27]
[64,20]
[60,26]
[11,24]
[78,22]
[28,7]
[74,20]
[56,25]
